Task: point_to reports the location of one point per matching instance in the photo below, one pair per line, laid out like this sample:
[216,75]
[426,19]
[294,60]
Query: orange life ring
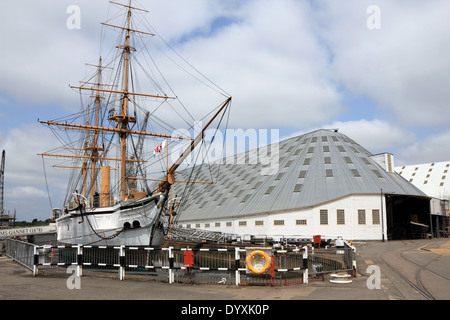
[258,268]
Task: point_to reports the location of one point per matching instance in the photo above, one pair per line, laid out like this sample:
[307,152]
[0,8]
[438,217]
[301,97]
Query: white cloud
[375,135]
[433,148]
[272,65]
[25,181]
[22,145]
[268,57]
[403,66]
[282,61]
[25,192]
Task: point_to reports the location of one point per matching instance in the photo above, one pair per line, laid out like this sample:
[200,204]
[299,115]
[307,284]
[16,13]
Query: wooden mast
[124,121]
[92,151]
[94,147]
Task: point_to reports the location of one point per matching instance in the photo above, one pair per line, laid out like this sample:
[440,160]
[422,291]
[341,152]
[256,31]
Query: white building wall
[291,224]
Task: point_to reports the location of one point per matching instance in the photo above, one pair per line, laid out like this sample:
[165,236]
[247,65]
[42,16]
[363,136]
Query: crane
[2,182]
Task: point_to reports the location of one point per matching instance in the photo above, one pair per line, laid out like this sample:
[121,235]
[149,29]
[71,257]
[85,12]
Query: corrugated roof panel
[314,168]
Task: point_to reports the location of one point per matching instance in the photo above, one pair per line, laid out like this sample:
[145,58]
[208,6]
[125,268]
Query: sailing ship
[112,140]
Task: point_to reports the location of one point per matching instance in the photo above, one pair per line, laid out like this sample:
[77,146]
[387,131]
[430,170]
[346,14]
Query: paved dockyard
[428,258]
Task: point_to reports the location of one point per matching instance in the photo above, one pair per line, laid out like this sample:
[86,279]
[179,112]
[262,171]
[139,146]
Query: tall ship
[112,143]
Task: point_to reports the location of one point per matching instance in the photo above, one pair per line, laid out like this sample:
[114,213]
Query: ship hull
[130,223]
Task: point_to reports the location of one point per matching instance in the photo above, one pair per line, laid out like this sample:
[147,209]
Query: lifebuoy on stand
[258,262]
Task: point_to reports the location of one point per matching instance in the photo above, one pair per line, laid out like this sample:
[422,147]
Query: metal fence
[226,266]
[19,251]
[331,260]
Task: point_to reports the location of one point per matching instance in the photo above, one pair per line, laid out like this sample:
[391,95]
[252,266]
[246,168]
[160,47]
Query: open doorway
[407,217]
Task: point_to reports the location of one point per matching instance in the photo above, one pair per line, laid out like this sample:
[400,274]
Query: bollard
[305,264]
[79,260]
[237,261]
[171,274]
[36,261]
[122,263]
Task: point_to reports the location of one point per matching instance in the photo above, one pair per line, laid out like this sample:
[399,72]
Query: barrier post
[122,263]
[171,274]
[36,261]
[305,264]
[237,263]
[79,260]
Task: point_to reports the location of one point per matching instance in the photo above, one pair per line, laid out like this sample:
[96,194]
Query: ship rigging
[116,133]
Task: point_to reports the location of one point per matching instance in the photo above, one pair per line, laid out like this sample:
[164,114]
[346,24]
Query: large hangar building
[325,184]
[434,179]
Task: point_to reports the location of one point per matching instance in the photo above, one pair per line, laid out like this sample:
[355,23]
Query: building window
[269,190]
[207,225]
[375,216]
[327,160]
[324,217]
[229,224]
[217,224]
[301,222]
[361,216]
[340,216]
[246,198]
[257,185]
[378,174]
[242,223]
[298,188]
[302,174]
[278,222]
[355,173]
[188,226]
[259,223]
[329,173]
[197,225]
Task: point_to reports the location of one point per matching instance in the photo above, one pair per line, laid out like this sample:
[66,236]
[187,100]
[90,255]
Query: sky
[377,70]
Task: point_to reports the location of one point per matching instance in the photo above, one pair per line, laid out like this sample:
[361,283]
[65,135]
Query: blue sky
[295,65]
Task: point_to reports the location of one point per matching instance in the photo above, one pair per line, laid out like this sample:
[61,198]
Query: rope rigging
[113,128]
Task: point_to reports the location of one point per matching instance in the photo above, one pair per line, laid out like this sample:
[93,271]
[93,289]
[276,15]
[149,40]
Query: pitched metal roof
[432,178]
[314,168]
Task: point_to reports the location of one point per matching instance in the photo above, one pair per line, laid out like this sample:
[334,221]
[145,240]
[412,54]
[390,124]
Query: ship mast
[123,119]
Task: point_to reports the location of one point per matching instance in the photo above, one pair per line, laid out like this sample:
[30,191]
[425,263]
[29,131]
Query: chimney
[105,197]
[384,160]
